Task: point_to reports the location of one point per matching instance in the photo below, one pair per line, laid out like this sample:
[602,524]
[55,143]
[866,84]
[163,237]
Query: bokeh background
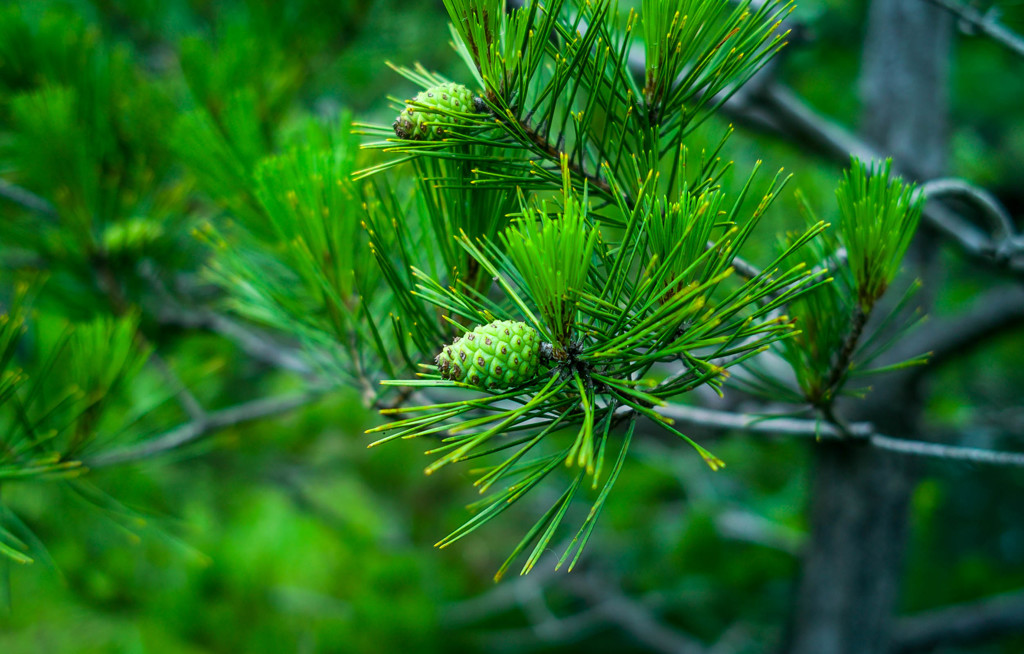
[287,534]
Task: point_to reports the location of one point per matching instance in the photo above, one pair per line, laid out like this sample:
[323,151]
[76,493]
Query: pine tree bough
[501,354]
[433,111]
[604,323]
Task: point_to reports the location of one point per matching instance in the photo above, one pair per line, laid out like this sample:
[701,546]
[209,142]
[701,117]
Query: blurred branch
[997,311]
[987,23]
[764,424]
[198,429]
[981,198]
[1005,246]
[189,404]
[732,521]
[790,117]
[749,527]
[862,432]
[498,599]
[608,607]
[961,624]
[27,199]
[938,451]
[632,616]
[777,110]
[262,347]
[257,345]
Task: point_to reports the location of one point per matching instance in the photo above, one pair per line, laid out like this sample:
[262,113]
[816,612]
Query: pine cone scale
[500,354]
[428,115]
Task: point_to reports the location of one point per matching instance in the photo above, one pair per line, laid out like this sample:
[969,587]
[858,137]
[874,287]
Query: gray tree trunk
[851,578]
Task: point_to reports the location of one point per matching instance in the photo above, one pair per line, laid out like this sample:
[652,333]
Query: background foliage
[287,533]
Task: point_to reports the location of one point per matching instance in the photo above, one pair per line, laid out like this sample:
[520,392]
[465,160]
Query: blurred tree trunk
[851,578]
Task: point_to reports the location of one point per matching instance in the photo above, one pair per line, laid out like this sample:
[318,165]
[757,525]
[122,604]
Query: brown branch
[963,624]
[555,153]
[845,356]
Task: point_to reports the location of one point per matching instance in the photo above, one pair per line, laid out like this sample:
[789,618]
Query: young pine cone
[412,122]
[501,354]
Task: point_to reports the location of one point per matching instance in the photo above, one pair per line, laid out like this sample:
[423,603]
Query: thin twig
[554,152]
[857,432]
[192,407]
[27,199]
[981,198]
[953,452]
[193,431]
[987,23]
[764,424]
[962,624]
[256,344]
[844,358]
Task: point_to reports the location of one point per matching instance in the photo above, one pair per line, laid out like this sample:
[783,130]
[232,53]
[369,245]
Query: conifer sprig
[878,215]
[553,255]
[608,323]
[699,53]
[62,397]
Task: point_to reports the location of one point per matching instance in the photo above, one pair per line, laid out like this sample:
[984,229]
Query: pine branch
[952,452]
[556,153]
[196,430]
[764,424]
[743,268]
[987,23]
[963,624]
[253,342]
[772,107]
[845,357]
[856,432]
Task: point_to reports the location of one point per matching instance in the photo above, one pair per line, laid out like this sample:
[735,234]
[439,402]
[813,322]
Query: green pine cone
[501,354]
[412,122]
